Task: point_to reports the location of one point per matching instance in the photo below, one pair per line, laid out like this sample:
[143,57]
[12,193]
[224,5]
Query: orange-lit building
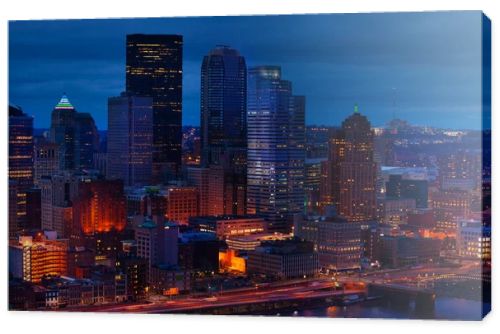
[182,203]
[230,226]
[99,207]
[230,261]
[33,257]
[250,242]
[353,169]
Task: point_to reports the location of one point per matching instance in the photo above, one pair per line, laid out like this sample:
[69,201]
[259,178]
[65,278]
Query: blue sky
[421,67]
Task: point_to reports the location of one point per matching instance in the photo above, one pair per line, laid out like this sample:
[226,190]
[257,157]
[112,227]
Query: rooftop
[64,103]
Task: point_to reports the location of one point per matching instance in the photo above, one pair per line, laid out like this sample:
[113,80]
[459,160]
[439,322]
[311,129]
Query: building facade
[75,134]
[20,162]
[154,69]
[337,241]
[33,257]
[130,140]
[353,169]
[276,148]
[284,259]
[46,160]
[223,123]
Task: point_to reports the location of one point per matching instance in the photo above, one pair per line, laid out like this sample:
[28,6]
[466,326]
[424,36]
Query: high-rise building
[154,69]
[219,192]
[58,192]
[99,207]
[76,135]
[312,184]
[353,170]
[86,140]
[223,123]
[46,159]
[276,148]
[13,227]
[20,161]
[99,218]
[199,177]
[130,139]
[223,104]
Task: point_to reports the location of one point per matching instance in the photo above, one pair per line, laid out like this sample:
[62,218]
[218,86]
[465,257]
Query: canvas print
[329,165]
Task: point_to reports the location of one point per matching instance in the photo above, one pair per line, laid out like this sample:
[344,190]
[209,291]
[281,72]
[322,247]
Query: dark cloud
[423,66]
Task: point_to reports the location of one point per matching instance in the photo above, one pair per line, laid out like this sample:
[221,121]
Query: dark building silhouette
[76,135]
[400,187]
[199,251]
[20,163]
[33,209]
[352,169]
[130,139]
[223,123]
[136,272]
[154,69]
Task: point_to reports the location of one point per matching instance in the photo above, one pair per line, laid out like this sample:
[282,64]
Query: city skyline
[338,64]
[254,212]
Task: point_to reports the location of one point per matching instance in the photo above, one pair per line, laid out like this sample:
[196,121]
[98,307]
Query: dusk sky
[421,67]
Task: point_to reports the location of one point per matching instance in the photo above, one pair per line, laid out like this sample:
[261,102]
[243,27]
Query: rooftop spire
[64,103]
[356,109]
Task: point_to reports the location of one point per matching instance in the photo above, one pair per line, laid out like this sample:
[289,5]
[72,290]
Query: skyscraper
[99,218]
[20,161]
[154,69]
[130,139]
[223,104]
[223,123]
[99,207]
[76,135]
[352,169]
[276,148]
[46,159]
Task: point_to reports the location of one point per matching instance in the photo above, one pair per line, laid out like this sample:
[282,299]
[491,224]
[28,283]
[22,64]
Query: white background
[47,322]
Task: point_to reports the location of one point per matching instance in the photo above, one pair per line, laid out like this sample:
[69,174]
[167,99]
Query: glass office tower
[223,122]
[154,69]
[276,148]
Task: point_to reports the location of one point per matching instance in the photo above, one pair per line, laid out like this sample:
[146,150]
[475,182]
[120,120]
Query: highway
[294,290]
[320,288]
